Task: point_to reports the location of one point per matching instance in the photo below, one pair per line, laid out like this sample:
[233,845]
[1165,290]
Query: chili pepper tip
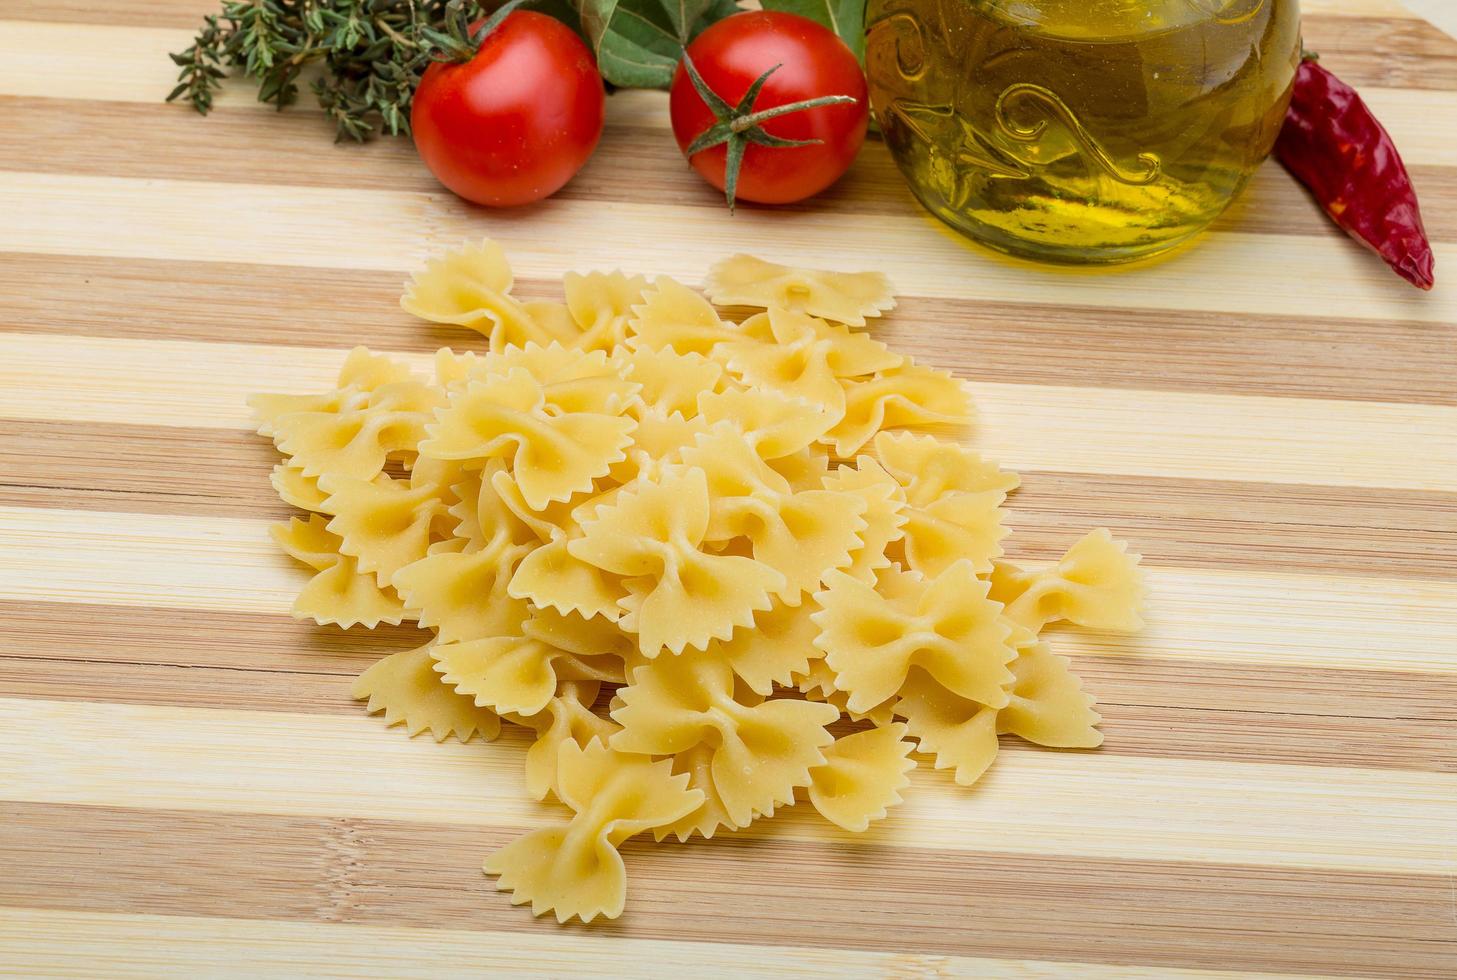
[1417,269]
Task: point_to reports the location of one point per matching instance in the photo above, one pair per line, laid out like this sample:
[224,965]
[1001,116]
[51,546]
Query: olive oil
[1080,130]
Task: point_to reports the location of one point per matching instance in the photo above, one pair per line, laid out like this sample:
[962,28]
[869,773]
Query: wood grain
[1036,343]
[1189,523]
[1092,430]
[187,789]
[1039,803]
[230,564]
[80,138]
[771,895]
[166,218]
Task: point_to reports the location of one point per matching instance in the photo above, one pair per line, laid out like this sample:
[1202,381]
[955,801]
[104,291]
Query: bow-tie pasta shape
[708,558]
[848,298]
[679,593]
[762,749]
[575,869]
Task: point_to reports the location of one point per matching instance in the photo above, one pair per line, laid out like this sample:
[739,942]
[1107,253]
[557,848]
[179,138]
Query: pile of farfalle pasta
[717,566]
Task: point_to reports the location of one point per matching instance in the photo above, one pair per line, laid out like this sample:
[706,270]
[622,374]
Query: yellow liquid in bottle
[1080,130]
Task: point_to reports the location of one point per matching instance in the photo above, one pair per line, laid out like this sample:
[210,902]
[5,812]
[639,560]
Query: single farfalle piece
[601,305]
[593,637]
[817,683]
[339,593]
[482,518]
[762,750]
[453,370]
[946,626]
[909,396]
[960,733]
[471,287]
[362,371]
[296,489]
[567,717]
[671,382]
[463,594]
[674,317]
[657,442]
[549,523]
[552,454]
[575,869]
[778,646]
[571,380]
[862,777]
[953,501]
[885,513]
[806,359]
[1095,585]
[776,426]
[801,534]
[409,692]
[1048,705]
[519,673]
[845,297]
[384,524]
[804,469]
[710,816]
[552,577]
[354,431]
[678,594]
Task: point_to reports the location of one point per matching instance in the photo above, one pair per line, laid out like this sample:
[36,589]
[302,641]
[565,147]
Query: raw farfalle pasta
[847,298]
[715,567]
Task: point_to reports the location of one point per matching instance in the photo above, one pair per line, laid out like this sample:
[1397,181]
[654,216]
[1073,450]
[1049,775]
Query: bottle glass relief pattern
[1080,130]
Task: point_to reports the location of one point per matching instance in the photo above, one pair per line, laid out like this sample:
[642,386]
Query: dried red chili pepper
[1333,145]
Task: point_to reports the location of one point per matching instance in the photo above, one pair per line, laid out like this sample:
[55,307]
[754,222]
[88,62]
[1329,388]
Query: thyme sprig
[372,54]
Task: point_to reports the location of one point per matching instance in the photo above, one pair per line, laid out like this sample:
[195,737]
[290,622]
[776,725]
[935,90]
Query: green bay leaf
[638,43]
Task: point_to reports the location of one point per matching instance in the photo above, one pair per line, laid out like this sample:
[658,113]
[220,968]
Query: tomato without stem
[813,62]
[518,120]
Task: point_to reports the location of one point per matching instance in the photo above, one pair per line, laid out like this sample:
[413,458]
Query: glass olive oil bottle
[1080,130]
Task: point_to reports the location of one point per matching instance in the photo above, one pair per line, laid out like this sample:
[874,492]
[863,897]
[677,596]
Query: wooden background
[186,787]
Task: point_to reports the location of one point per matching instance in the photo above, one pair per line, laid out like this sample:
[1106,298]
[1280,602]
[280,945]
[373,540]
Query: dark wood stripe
[1151,707]
[296,148]
[1187,523]
[1355,360]
[765,893]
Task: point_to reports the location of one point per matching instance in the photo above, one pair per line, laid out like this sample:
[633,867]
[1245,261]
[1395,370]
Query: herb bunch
[372,52]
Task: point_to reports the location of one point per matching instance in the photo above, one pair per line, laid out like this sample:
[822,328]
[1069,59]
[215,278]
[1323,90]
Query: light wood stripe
[70,944]
[108,62]
[99,139]
[82,944]
[174,219]
[776,894]
[1359,360]
[230,564]
[1189,523]
[1151,809]
[1163,434]
[111,62]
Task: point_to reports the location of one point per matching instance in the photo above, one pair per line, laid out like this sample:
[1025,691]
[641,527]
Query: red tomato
[814,62]
[517,121]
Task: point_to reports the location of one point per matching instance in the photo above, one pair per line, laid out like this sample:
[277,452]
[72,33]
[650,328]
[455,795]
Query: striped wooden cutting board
[186,787]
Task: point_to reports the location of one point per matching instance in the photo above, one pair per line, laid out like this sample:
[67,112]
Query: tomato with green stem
[769,107]
[511,110]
